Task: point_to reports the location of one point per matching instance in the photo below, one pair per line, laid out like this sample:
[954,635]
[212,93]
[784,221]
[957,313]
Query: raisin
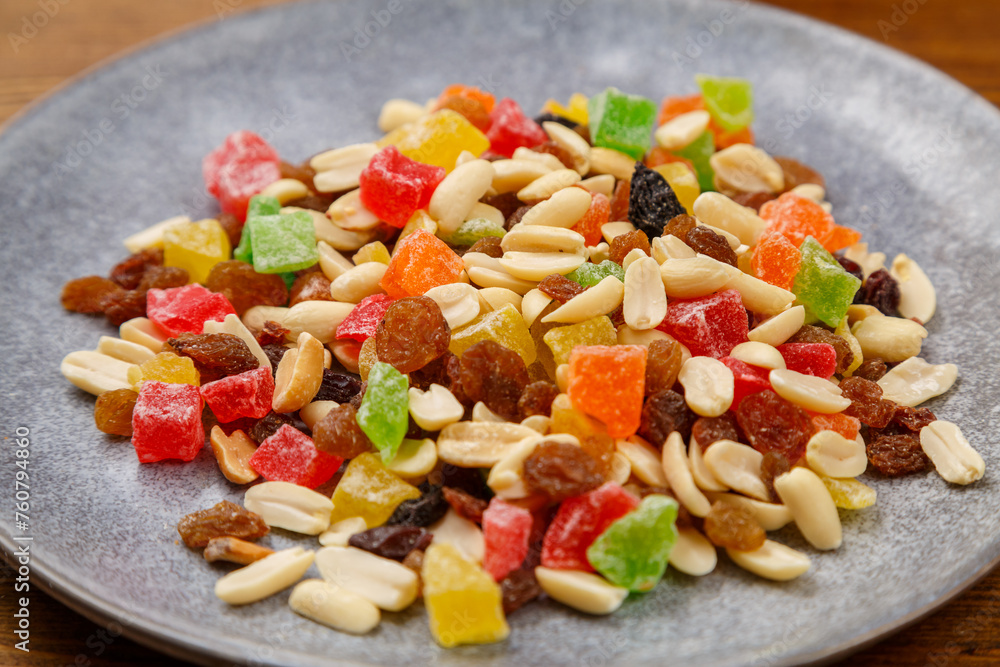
[651,202]
[813,334]
[897,455]
[128,272]
[244,287]
[415,561]
[215,355]
[663,363]
[547,117]
[680,226]
[358,397]
[851,267]
[272,334]
[708,430]
[623,244]
[537,399]
[772,466]
[663,413]
[584,132]
[163,277]
[274,354]
[752,200]
[707,242]
[488,245]
[465,504]
[267,426]
[519,588]
[552,148]
[122,306]
[560,288]
[913,419]
[87,295]
[506,203]
[315,202]
[233,227]
[472,109]
[559,470]
[881,291]
[867,403]
[872,369]
[436,372]
[337,387]
[733,527]
[413,332]
[313,286]
[469,480]
[797,173]
[225,519]
[300,172]
[339,434]
[620,202]
[495,375]
[113,412]
[422,511]
[773,424]
[515,217]
[394,542]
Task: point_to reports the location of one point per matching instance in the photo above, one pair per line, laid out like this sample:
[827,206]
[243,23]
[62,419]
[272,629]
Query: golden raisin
[87,294]
[224,519]
[113,412]
[559,470]
[623,244]
[663,363]
[733,527]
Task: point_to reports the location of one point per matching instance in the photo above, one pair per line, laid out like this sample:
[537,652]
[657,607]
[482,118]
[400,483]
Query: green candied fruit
[622,122]
[472,230]
[728,100]
[283,242]
[822,285]
[589,274]
[384,411]
[633,551]
[596,331]
[259,205]
[698,152]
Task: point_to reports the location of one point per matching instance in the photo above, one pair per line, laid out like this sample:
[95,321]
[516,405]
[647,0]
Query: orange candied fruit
[659,156]
[595,217]
[796,218]
[469,92]
[845,425]
[671,107]
[840,237]
[421,261]
[776,260]
[607,382]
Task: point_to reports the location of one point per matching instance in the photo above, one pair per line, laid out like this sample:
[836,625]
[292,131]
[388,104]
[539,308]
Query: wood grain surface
[47,41]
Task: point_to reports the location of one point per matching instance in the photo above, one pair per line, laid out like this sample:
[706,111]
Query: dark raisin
[663,413]
[663,363]
[393,542]
[623,244]
[495,375]
[851,267]
[506,203]
[488,245]
[515,217]
[413,332]
[272,334]
[707,242]
[897,455]
[215,355]
[267,426]
[337,387]
[554,118]
[125,305]
[881,291]
[87,295]
[244,287]
[436,372]
[772,466]
[872,369]
[560,288]
[225,519]
[339,434]
[651,202]
[300,172]
[867,403]
[128,272]
[469,480]
[559,470]
[422,511]
[274,354]
[814,334]
[707,430]
[537,399]
[464,504]
[519,588]
[773,424]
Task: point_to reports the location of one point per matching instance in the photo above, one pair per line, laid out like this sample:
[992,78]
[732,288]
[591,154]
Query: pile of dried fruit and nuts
[580,359]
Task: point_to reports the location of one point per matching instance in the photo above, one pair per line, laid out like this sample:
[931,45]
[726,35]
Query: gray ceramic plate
[910,159]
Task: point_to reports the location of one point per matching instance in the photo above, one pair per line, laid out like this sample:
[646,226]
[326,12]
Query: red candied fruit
[361,323]
[166,422]
[748,380]
[290,456]
[393,186]
[579,522]
[247,394]
[506,529]
[511,129]
[819,359]
[186,309]
[238,169]
[710,325]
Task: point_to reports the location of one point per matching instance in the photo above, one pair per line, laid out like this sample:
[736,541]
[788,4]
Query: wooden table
[958,37]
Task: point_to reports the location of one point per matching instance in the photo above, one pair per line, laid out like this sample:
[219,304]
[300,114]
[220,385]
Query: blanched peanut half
[532,305]
[487,277]
[461,533]
[265,577]
[915,381]
[779,328]
[738,467]
[681,130]
[633,255]
[255,317]
[548,185]
[299,375]
[611,230]
[748,168]
[645,301]
[602,183]
[832,455]
[313,413]
[435,408]
[609,161]
[562,377]
[772,561]
[812,191]
[141,331]
[415,458]
[340,169]
[952,455]
[572,143]
[506,477]
[563,209]
[629,336]
[234,550]
[708,385]
[290,506]
[348,214]
[693,554]
[539,423]
[285,190]
[383,582]
[770,516]
[334,606]
[548,159]
[812,507]
[598,300]
[123,350]
[233,325]
[94,372]
[599,252]
[233,454]
[582,591]
[870,262]
[336,235]
[360,282]
[692,277]
[458,193]
[808,391]
[152,237]
[481,211]
[757,295]
[479,444]
[720,211]
[670,247]
[702,476]
[398,112]
[535,238]
[481,413]
[917,297]
[459,302]
[338,534]
[513,175]
[643,460]
[331,262]
[678,474]
[533,266]
[758,354]
[892,339]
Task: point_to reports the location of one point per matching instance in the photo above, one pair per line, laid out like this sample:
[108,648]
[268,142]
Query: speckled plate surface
[909,157]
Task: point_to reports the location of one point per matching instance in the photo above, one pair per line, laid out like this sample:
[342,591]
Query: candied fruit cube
[633,551]
[506,529]
[283,243]
[796,217]
[260,205]
[596,217]
[621,122]
[246,394]
[819,359]
[196,247]
[485,98]
[698,153]
[505,326]
[166,422]
[464,604]
[370,491]
[682,180]
[575,110]
[164,367]
[437,139]
[238,169]
[748,379]
[776,260]
[728,100]
[291,456]
[579,521]
[420,261]
[590,275]
[822,285]
[595,331]
[510,129]
[845,425]
[710,325]
[608,383]
[393,186]
[372,252]
[471,231]
[361,323]
[671,107]
[384,411]
[178,310]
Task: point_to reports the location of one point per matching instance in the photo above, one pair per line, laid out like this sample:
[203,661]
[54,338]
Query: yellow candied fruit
[849,494]
[595,331]
[367,357]
[504,325]
[419,220]
[437,139]
[370,491]
[844,331]
[682,182]
[165,367]
[372,252]
[575,111]
[464,604]
[196,247]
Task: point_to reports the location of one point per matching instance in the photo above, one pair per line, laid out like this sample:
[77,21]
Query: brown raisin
[488,245]
[797,173]
[337,387]
[394,542]
[244,287]
[125,305]
[559,470]
[267,426]
[87,294]
[113,412]
[623,244]
[663,413]
[680,226]
[515,217]
[519,588]
[772,466]
[413,332]
[753,200]
[537,399]
[315,202]
[881,291]
[215,356]
[436,372]
[707,242]
[506,203]
[128,272]
[552,148]
[495,375]
[663,363]
[232,226]
[813,334]
[472,109]
[872,369]
[708,430]
[851,267]
[560,288]
[300,172]
[338,433]
[224,519]
[867,403]
[313,286]
[913,419]
[733,527]
[772,424]
[274,354]
[163,277]
[465,504]
[422,511]
[272,334]
[619,202]
[897,455]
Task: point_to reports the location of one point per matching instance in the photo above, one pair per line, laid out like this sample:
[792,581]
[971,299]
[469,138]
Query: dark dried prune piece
[488,245]
[623,244]
[707,242]
[881,291]
[872,369]
[663,413]
[773,424]
[559,470]
[813,334]
[244,287]
[897,455]
[422,511]
[394,542]
[339,434]
[267,426]
[733,527]
[469,480]
[495,375]
[465,504]
[337,387]
[560,288]
[312,286]
[274,354]
[87,294]
[224,519]
[215,356]
[128,272]
[413,332]
[519,588]
[867,403]
[537,399]
[708,430]
[651,201]
[663,363]
[113,412]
